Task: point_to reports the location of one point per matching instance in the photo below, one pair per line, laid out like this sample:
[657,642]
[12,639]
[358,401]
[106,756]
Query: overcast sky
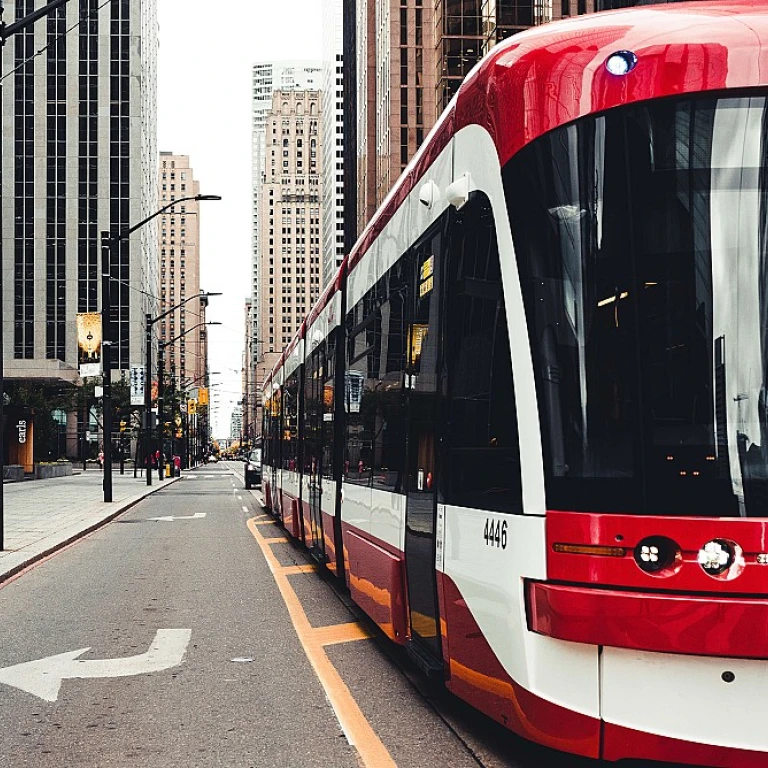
[204,111]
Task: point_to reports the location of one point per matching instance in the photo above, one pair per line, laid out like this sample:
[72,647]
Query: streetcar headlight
[621,63]
[655,554]
[716,556]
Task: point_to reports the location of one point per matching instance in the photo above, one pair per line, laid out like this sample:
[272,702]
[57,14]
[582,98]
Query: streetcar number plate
[495,533]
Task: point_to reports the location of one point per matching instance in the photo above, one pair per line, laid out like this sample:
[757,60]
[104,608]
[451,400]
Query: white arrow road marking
[170,518]
[42,678]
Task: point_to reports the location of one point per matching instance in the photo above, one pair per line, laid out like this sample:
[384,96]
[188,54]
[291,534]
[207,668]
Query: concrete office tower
[332,110]
[78,157]
[179,243]
[291,229]
[269,77]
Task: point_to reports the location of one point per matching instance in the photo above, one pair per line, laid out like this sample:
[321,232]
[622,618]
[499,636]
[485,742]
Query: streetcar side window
[290,441]
[313,410]
[327,407]
[482,449]
[374,452]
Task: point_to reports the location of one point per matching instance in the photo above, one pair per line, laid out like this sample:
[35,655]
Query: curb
[37,556]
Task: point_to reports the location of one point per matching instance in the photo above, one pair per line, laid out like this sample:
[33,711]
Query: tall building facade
[268,77]
[408,58]
[332,110]
[251,393]
[291,222]
[78,158]
[179,244]
[236,423]
[396,92]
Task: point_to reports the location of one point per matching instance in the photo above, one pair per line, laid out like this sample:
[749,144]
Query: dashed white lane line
[245,509]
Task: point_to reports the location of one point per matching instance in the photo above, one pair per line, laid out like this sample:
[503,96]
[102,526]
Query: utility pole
[106,359]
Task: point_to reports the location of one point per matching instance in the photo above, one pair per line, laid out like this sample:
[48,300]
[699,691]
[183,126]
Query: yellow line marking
[276,540]
[340,633]
[356,728]
[291,570]
[265,522]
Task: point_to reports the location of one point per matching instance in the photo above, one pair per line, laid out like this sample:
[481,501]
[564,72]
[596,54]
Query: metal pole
[160,397]
[148,398]
[106,357]
[86,416]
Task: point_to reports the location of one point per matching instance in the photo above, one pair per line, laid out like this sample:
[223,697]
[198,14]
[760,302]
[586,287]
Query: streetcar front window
[641,236]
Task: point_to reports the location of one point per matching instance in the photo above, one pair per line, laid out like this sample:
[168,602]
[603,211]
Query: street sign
[138,383]
[43,677]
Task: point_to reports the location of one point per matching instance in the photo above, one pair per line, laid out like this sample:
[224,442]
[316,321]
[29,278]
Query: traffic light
[123,425]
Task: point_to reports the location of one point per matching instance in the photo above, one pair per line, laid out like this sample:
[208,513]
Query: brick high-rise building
[268,77]
[179,239]
[407,58]
[396,93]
[290,219]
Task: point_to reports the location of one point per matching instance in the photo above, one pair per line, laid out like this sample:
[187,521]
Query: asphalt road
[232,684]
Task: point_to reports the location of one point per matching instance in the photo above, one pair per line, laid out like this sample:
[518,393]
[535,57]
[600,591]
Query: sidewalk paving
[41,516]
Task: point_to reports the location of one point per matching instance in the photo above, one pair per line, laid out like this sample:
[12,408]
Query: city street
[164,638]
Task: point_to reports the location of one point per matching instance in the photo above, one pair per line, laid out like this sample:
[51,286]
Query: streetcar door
[420,514]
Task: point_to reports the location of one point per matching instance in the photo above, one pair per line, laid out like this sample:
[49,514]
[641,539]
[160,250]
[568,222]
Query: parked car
[253,468]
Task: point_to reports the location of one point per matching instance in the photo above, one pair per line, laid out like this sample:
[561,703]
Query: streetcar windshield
[641,236]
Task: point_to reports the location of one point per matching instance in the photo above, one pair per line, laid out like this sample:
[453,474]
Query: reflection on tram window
[374,449]
[483,458]
[641,237]
[328,405]
[290,442]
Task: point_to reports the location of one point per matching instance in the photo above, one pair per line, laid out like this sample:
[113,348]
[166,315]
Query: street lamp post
[192,432]
[149,322]
[161,386]
[108,242]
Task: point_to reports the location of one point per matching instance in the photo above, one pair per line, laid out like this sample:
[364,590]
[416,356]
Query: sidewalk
[42,516]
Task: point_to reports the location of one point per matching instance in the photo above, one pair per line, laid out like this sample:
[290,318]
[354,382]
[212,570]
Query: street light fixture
[108,242]
[161,387]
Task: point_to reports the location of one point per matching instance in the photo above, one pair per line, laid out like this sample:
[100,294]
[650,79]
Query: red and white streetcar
[527,422]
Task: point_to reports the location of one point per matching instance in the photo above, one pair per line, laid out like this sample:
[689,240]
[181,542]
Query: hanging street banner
[138,383]
[89,343]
